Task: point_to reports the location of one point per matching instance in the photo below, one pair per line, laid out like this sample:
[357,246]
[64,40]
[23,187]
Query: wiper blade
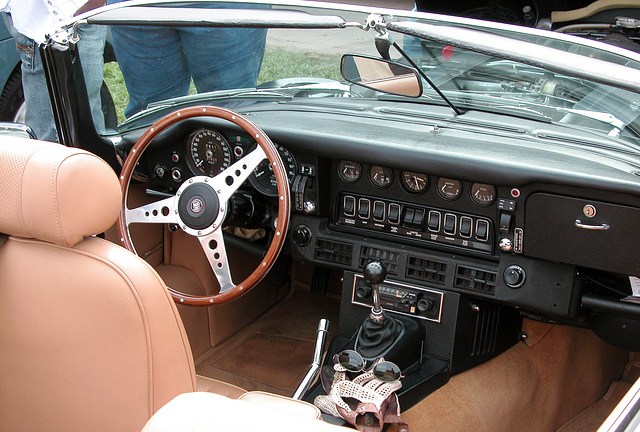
[277,94]
[603,117]
[221,95]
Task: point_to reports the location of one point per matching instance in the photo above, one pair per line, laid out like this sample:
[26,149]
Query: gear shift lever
[378,331]
[383,335]
[374,273]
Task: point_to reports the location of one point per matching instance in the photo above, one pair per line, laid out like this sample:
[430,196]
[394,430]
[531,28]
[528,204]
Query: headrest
[55,193]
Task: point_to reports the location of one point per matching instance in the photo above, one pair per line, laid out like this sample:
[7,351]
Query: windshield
[149,69]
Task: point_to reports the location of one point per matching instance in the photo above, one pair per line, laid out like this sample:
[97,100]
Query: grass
[281,63]
[278,63]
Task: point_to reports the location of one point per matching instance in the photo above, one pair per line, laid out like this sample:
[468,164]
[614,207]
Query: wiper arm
[607,118]
[220,95]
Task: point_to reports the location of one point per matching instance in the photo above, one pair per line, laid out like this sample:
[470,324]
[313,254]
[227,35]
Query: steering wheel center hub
[198,206]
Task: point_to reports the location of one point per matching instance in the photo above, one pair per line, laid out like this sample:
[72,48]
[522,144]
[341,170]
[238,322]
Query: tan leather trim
[208,412]
[55,193]
[283,403]
[99,341]
[210,385]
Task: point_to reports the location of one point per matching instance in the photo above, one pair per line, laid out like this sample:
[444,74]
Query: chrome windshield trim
[545,57]
[184,17]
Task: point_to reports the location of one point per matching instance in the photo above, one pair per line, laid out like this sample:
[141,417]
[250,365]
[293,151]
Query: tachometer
[263,178]
[209,153]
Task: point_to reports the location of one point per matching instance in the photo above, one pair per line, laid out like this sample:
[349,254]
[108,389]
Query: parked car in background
[458,197]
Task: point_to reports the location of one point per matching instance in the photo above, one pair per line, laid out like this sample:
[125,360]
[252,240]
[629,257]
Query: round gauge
[449,189]
[483,194]
[349,171]
[209,152]
[380,176]
[263,177]
[414,182]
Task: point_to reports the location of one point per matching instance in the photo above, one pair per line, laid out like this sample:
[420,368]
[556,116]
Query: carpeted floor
[539,385]
[274,353]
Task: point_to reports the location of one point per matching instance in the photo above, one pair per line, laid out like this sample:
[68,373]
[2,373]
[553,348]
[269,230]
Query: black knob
[425,304]
[301,235]
[363,291]
[514,276]
[375,272]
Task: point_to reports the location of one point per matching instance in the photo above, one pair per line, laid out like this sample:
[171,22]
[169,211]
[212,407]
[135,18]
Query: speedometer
[263,177]
[209,152]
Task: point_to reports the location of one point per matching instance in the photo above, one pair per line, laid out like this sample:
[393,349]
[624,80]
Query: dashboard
[481,208]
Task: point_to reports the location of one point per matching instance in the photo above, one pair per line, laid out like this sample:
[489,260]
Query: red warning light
[447,52]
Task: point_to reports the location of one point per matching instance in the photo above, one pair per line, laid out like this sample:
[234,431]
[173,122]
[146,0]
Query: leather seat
[90,339]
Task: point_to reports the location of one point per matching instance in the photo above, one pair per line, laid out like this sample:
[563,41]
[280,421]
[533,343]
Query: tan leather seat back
[90,340]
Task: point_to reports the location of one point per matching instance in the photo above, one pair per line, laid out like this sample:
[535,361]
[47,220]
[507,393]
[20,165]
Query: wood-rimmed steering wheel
[200,205]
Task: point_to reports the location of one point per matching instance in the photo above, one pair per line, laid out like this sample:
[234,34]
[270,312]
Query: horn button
[198,206]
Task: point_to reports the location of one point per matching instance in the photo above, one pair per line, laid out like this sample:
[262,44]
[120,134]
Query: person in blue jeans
[27,21]
[158,63]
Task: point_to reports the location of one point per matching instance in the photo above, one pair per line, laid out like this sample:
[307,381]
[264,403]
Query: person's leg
[91,51]
[38,113]
[224,58]
[152,64]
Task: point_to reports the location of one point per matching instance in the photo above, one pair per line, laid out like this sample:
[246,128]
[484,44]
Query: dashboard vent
[475,280]
[388,258]
[333,252]
[485,337]
[426,270]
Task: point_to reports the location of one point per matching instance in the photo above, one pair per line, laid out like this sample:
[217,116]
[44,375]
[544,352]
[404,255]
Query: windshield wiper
[277,94]
[603,117]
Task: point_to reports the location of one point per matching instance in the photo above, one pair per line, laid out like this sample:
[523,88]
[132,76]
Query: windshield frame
[423,25]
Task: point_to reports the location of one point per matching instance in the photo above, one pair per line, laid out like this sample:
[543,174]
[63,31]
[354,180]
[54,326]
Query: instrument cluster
[209,152]
[415,183]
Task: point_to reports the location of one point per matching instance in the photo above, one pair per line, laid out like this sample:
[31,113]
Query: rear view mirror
[381,75]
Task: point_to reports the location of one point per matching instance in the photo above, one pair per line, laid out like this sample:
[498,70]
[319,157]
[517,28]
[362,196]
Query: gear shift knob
[374,273]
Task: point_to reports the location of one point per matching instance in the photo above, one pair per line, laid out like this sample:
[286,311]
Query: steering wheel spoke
[214,248]
[229,180]
[162,211]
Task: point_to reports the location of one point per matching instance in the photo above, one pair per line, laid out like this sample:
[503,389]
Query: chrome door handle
[602,227]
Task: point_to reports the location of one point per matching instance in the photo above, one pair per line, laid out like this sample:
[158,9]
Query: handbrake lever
[314,369]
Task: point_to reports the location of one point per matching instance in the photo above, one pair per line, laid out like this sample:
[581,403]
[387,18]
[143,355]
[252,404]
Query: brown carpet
[274,353]
[590,419]
[287,368]
[536,386]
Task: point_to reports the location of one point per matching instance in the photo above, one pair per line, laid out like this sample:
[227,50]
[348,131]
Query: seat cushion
[210,412]
[210,385]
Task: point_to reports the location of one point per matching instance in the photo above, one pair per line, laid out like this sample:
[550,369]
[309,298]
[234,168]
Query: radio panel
[411,300]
